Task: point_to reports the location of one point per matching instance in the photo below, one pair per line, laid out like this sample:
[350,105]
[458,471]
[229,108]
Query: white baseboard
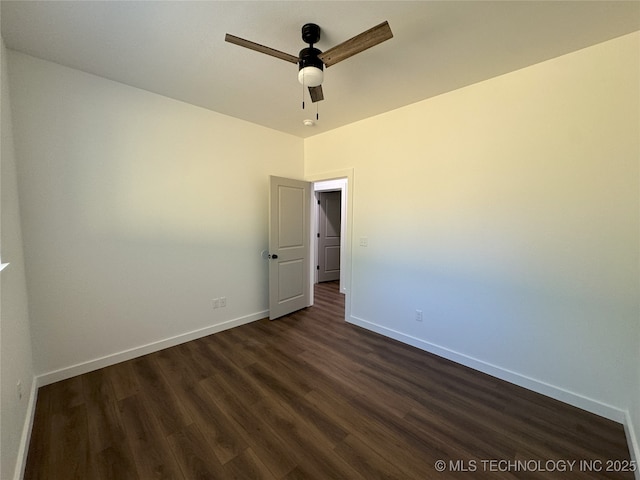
[106,361]
[25,439]
[558,393]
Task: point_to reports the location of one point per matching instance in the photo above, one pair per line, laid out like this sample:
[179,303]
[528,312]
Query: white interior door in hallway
[328,237]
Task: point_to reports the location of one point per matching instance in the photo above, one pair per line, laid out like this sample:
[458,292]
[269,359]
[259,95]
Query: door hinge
[318,267]
[318,202]
[318,235]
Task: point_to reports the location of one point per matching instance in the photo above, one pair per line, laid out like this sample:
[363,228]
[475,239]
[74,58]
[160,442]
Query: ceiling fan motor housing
[309,58]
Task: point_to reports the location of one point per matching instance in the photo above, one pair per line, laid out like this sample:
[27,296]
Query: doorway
[330,247]
[338,182]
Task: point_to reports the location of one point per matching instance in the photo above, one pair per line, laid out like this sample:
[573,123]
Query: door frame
[338,180]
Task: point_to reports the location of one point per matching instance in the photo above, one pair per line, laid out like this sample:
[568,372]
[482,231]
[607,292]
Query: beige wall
[507,212]
[137,211]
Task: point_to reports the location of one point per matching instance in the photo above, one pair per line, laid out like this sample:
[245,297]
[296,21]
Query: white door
[289,246]
[329,236]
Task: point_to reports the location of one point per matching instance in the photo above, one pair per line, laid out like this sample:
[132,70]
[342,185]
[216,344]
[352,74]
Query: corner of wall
[632,440]
[16,413]
[25,438]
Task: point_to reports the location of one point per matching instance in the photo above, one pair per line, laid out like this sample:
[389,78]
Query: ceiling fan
[311,61]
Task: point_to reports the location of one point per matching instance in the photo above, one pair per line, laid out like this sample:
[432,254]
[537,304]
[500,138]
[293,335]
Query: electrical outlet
[19,389]
[216,303]
[418,315]
[364,241]
[223,301]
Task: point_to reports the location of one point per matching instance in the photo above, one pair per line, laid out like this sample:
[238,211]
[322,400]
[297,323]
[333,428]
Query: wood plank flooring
[309,397]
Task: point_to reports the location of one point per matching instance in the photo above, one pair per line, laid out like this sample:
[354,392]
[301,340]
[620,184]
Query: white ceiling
[177,48]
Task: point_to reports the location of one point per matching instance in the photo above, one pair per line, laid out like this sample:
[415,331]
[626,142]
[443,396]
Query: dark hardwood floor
[310,397]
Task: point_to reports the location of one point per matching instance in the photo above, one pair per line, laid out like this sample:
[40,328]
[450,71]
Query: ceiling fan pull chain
[317,110]
[303,91]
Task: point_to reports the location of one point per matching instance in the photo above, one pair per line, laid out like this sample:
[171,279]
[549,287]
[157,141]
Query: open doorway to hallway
[329,242]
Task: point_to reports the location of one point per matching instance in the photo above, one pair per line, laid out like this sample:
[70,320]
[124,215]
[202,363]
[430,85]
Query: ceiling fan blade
[260,48]
[316,93]
[357,44]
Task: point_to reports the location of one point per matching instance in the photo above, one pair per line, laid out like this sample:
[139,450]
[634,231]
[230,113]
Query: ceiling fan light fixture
[310,76]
